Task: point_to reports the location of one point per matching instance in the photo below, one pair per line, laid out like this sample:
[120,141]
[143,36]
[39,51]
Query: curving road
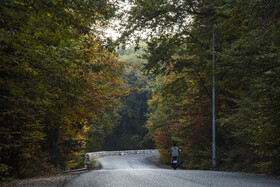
[136,170]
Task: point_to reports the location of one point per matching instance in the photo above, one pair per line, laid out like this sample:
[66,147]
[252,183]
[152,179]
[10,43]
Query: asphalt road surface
[136,170]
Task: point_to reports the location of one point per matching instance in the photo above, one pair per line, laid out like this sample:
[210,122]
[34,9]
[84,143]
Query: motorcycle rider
[174,152]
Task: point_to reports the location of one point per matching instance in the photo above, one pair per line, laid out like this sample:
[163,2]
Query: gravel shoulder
[52,180]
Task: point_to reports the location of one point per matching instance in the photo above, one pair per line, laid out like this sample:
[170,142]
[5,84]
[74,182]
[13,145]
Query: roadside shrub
[4,172]
[92,165]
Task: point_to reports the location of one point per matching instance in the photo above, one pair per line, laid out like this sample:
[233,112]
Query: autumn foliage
[180,37]
[181,118]
[57,81]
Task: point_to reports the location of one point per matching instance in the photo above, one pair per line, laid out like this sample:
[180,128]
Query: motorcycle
[175,162]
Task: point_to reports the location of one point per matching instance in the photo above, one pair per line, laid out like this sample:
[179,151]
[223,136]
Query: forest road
[136,170]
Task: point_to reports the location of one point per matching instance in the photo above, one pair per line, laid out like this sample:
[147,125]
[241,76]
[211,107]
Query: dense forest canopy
[131,133]
[247,79]
[58,82]
[66,89]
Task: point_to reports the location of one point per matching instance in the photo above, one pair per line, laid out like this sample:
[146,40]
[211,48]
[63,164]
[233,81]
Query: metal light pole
[213,102]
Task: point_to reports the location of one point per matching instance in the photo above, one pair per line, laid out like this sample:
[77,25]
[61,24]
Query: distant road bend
[136,170]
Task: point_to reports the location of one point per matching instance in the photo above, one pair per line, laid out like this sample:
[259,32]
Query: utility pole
[213,101]
[213,105]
